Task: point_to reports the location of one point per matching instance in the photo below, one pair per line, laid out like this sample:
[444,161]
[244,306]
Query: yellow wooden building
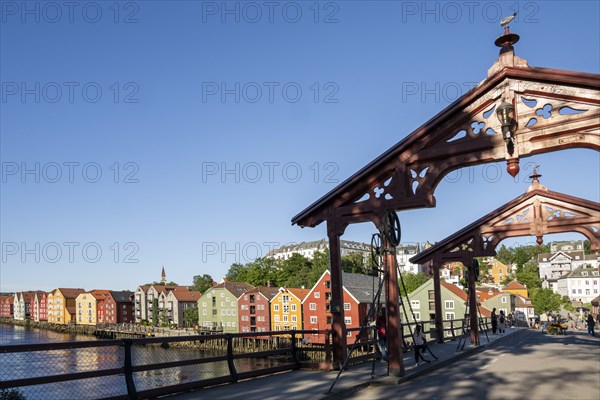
[286,309]
[60,304]
[497,270]
[86,306]
[516,287]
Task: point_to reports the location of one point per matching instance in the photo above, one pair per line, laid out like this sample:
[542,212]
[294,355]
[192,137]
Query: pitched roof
[186,295]
[515,284]
[121,296]
[299,293]
[235,288]
[522,302]
[164,288]
[483,295]
[361,287]
[70,293]
[578,272]
[268,291]
[456,290]
[99,294]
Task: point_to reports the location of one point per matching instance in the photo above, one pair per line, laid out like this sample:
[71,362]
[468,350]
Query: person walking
[381,334]
[590,324]
[501,322]
[494,321]
[419,345]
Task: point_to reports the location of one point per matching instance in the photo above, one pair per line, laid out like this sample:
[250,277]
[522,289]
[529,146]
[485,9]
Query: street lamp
[505,114]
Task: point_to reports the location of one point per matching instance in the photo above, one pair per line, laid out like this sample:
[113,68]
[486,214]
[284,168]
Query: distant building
[218,306]
[570,245]
[523,305]
[148,296]
[7,306]
[176,302]
[39,311]
[403,252]
[308,249]
[498,270]
[359,293]
[502,301]
[255,309]
[516,287]
[556,264]
[22,305]
[117,307]
[453,303]
[286,309]
[61,304]
[581,284]
[87,306]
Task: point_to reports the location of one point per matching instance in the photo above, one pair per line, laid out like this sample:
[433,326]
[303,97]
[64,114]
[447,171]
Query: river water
[67,361]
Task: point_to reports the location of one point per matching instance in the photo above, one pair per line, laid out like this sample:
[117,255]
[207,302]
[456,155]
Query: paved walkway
[303,385]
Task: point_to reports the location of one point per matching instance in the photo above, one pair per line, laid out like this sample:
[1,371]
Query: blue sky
[188,134]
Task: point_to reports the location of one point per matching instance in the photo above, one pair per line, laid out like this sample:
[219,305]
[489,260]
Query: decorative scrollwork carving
[473,128]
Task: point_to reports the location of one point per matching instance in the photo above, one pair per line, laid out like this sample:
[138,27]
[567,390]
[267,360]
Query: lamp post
[505,114]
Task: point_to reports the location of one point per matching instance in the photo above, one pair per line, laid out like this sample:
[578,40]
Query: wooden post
[393,336]
[338,326]
[437,296]
[473,306]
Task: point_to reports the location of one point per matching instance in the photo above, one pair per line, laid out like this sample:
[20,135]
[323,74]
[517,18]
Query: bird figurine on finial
[504,23]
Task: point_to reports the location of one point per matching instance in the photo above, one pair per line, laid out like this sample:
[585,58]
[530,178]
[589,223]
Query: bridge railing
[150,367]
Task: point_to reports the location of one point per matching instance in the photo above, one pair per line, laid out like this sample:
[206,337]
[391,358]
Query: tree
[164,318]
[155,312]
[202,283]
[237,273]
[190,315]
[412,282]
[504,255]
[545,300]
[529,276]
[165,284]
[320,264]
[353,263]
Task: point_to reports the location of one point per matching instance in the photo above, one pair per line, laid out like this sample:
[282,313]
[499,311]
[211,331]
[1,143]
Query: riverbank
[71,328]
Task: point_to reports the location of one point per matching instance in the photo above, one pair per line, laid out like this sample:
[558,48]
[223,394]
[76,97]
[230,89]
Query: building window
[276,319]
[503,299]
[449,305]
[313,320]
[449,315]
[415,304]
[275,307]
[313,306]
[346,306]
[317,295]
[328,284]
[348,320]
[294,318]
[417,316]
[293,307]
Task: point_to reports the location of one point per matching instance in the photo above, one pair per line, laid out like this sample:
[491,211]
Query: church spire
[163,276]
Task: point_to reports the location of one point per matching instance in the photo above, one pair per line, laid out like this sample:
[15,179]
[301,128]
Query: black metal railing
[150,367]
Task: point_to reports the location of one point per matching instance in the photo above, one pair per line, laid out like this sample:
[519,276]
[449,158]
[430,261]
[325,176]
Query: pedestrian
[494,321]
[590,324]
[419,345]
[501,322]
[381,334]
[543,320]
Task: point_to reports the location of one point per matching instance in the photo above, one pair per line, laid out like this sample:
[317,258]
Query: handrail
[288,350]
